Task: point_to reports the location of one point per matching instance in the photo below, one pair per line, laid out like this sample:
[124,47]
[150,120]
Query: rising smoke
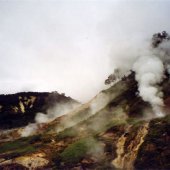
[149,64]
[52,113]
[29,130]
[149,72]
[99,102]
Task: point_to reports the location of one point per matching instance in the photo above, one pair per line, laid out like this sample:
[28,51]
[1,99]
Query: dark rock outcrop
[17,110]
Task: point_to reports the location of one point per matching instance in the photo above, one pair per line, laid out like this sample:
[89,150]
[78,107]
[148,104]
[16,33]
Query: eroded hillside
[115,130]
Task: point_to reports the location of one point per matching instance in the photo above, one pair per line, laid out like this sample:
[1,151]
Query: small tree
[159,38]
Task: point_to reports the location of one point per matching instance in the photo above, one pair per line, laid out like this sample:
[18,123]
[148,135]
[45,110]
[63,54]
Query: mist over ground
[72,46]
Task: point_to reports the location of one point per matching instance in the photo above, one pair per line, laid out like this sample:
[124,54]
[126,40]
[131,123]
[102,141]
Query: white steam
[149,65]
[52,113]
[29,129]
[41,118]
[57,111]
[149,72]
[99,102]
[96,148]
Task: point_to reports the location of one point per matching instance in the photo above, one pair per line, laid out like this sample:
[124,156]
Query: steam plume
[52,113]
[149,64]
[149,72]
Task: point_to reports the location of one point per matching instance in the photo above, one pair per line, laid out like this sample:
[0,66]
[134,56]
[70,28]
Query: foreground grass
[78,150]
[20,146]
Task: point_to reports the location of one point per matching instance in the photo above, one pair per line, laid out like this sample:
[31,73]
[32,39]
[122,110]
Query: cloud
[71,46]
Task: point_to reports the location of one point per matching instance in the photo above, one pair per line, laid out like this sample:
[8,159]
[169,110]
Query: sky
[70,46]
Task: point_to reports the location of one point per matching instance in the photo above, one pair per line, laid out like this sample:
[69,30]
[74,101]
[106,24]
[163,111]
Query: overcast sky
[69,45]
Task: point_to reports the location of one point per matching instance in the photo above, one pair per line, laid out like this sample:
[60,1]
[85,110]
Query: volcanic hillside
[117,135]
[126,126]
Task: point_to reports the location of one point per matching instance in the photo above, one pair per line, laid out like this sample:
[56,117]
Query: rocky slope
[115,130]
[17,110]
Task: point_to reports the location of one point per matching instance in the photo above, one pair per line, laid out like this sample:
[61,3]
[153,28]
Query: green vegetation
[10,146]
[78,150]
[23,145]
[69,132]
[75,152]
